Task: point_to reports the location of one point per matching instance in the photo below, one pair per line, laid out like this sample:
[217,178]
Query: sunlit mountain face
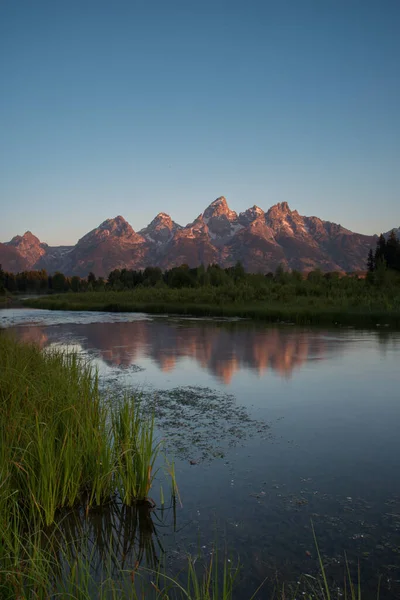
[260,239]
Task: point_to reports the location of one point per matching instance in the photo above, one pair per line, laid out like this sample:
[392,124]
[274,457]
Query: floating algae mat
[200,423]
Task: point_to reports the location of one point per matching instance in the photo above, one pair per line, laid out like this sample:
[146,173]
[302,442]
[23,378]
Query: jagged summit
[283,206]
[219,208]
[260,240]
[27,237]
[114,223]
[29,247]
[279,209]
[117,227]
[160,230]
[220,201]
[249,215]
[221,222]
[162,217]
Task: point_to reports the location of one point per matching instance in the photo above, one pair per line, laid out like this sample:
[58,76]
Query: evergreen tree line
[40,282]
[37,282]
[386,255]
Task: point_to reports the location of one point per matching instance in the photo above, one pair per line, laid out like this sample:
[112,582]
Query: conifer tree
[392,251]
[380,252]
[370,261]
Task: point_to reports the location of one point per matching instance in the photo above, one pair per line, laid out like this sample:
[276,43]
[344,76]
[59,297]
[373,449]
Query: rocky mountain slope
[29,248]
[260,240]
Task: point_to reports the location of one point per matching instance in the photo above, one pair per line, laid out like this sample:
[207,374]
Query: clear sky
[134,107]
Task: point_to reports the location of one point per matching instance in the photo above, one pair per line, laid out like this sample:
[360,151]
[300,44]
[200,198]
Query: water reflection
[126,536]
[113,542]
[222,349]
[330,454]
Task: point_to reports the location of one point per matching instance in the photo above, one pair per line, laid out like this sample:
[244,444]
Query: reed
[135,452]
[61,445]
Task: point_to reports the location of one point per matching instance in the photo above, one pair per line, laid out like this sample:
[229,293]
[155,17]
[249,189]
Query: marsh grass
[204,579]
[135,452]
[84,561]
[351,302]
[61,444]
[35,572]
[62,447]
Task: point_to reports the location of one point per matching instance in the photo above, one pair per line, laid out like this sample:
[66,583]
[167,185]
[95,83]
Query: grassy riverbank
[61,448]
[304,304]
[66,454]
[61,445]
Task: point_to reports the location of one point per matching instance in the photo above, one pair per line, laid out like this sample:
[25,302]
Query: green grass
[134,444]
[354,304]
[35,572]
[60,444]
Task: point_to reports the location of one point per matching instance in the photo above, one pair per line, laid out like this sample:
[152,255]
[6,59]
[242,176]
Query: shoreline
[334,316]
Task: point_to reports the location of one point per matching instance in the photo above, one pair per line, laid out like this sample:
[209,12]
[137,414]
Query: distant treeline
[386,258]
[38,282]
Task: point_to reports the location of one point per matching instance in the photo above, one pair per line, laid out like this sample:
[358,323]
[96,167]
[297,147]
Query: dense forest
[381,265]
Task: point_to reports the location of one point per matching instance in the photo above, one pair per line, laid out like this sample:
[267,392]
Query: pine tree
[380,252]
[370,261]
[392,251]
[91,278]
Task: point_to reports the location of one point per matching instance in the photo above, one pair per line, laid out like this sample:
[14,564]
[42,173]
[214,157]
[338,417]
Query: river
[272,430]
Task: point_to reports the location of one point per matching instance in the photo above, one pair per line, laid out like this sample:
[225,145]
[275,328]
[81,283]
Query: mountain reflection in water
[222,349]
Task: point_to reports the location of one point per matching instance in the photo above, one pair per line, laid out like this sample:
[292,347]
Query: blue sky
[136,107]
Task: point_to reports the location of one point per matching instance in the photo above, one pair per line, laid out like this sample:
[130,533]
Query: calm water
[269,428]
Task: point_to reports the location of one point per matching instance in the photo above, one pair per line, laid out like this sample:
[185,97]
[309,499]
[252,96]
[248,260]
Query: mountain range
[260,240]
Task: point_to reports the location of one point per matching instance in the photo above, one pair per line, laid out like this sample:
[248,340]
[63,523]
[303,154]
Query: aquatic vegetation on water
[200,422]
